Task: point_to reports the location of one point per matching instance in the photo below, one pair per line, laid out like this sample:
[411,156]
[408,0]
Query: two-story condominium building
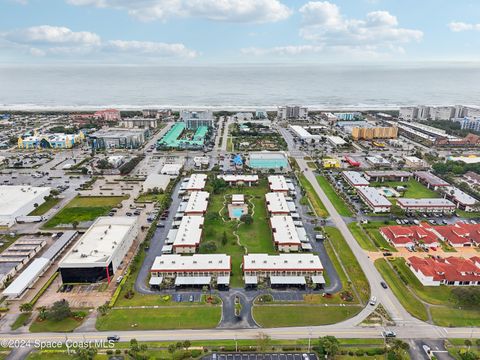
[196,182]
[453,271]
[430,180]
[461,199]
[387,175]
[235,180]
[278,183]
[459,234]
[197,203]
[285,235]
[373,199]
[355,179]
[195,270]
[188,236]
[283,269]
[432,205]
[408,236]
[277,204]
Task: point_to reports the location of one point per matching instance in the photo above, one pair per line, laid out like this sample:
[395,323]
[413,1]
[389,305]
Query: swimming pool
[237,212]
[388,192]
[267,160]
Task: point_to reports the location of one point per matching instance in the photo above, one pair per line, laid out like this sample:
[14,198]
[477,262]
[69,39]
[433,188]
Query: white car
[373,300]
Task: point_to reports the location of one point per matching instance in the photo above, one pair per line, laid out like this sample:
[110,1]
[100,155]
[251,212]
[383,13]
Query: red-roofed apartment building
[407,236]
[454,271]
[460,234]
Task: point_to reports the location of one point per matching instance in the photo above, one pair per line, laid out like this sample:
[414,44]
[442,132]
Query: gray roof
[59,244]
[373,196]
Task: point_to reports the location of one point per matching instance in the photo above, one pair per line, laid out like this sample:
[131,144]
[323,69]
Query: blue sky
[238,31]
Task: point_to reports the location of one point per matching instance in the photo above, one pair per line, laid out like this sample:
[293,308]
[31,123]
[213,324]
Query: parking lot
[257,356]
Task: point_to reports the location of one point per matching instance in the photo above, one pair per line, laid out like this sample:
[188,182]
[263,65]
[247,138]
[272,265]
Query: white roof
[303,133]
[197,202]
[284,230]
[276,202]
[98,244]
[155,280]
[196,182]
[14,198]
[242,178]
[465,159]
[425,202]
[277,183]
[374,197]
[190,231]
[460,196]
[336,140]
[290,261]
[154,180]
[287,280]
[414,159]
[377,160]
[238,198]
[356,178]
[171,168]
[26,278]
[196,262]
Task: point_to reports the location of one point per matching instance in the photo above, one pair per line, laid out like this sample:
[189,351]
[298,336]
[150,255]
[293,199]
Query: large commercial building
[373,199]
[195,270]
[100,251]
[433,205]
[452,271]
[195,119]
[50,141]
[18,201]
[119,138]
[131,123]
[427,135]
[283,269]
[336,140]
[292,112]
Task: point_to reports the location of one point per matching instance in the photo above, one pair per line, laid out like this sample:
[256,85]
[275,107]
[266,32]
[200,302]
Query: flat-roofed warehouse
[277,203]
[198,269]
[100,251]
[278,183]
[188,235]
[197,203]
[285,235]
[283,269]
[19,201]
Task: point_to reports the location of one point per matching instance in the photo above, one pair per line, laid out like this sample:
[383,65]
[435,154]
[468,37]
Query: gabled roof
[447,269]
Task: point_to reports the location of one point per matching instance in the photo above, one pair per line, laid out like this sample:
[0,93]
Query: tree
[187,344]
[75,224]
[468,343]
[396,349]
[247,219]
[103,309]
[85,353]
[328,346]
[26,307]
[59,311]
[171,349]
[224,238]
[263,341]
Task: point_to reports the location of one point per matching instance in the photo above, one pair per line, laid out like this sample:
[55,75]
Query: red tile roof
[409,234]
[460,233]
[448,269]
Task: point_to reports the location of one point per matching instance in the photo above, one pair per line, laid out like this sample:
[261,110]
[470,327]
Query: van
[119,279]
[373,300]
[319,237]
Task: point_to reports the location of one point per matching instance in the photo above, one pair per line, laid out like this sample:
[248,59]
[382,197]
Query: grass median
[339,203]
[406,298]
[311,194]
[361,237]
[350,263]
[45,207]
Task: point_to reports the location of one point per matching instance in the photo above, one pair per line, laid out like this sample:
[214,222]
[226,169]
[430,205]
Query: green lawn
[147,198]
[84,208]
[229,144]
[47,205]
[362,239]
[188,317]
[49,355]
[406,298]
[256,237]
[66,325]
[372,230]
[317,204]
[415,190]
[448,316]
[20,320]
[302,315]
[339,203]
[349,261]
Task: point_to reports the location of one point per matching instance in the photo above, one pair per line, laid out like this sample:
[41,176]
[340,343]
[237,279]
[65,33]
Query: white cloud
[323,23]
[249,11]
[149,47]
[61,41]
[282,50]
[457,26]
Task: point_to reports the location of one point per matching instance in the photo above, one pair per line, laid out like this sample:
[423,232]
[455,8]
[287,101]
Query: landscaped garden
[414,189]
[224,236]
[83,209]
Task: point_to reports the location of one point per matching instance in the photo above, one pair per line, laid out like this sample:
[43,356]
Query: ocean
[233,87]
